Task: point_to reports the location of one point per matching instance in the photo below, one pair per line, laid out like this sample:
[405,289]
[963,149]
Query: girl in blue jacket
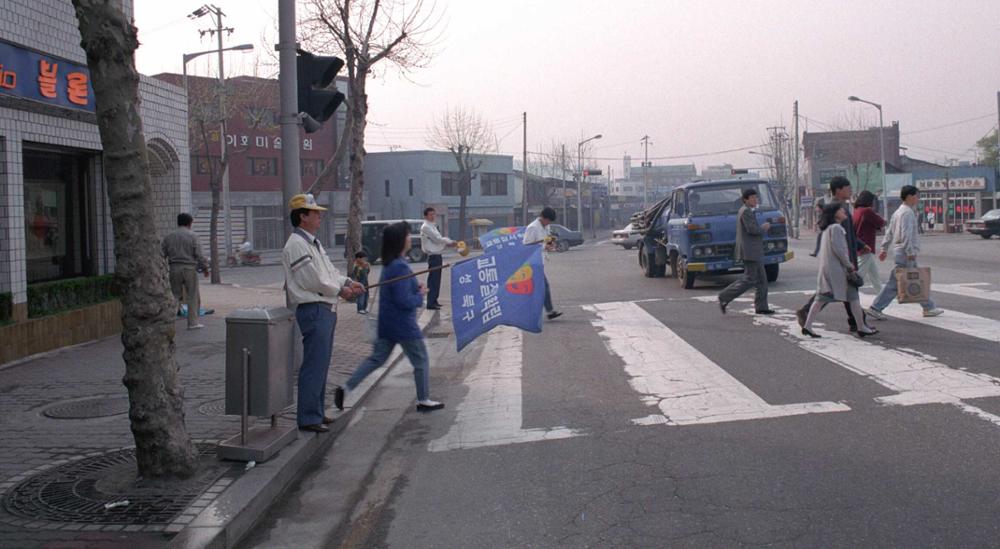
[397,320]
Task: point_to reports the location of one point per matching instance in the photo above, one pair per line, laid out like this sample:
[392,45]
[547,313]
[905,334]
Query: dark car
[565,238]
[985,226]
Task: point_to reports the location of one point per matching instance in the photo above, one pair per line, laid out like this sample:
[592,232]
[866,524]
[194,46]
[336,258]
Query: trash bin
[267,334]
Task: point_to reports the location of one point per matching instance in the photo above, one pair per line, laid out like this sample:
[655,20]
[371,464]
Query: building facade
[400,184]
[55,221]
[255,170]
[850,154]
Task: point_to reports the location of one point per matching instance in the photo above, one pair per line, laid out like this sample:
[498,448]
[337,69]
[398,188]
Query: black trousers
[433,279]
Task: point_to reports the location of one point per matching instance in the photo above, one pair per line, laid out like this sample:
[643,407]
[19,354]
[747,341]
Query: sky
[697,76]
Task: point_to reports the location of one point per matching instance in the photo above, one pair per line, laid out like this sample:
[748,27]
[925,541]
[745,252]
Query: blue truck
[694,231]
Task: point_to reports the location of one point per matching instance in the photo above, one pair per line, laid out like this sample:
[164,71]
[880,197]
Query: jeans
[868,269]
[363,302]
[317,322]
[753,276]
[889,291]
[415,351]
[548,297]
[434,279]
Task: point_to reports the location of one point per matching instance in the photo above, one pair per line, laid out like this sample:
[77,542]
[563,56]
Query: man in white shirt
[904,239]
[313,286]
[433,243]
[536,232]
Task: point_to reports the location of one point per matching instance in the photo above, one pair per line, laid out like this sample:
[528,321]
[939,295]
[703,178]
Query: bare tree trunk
[156,412]
[358,117]
[463,192]
[215,185]
[332,168]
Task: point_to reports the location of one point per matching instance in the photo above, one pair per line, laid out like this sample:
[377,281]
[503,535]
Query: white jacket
[309,274]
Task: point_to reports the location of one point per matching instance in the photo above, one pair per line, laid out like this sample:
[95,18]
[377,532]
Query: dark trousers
[434,279]
[754,276]
[851,321]
[548,297]
[363,301]
[317,322]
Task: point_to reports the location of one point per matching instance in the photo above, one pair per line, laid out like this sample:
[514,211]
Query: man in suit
[750,250]
[840,188]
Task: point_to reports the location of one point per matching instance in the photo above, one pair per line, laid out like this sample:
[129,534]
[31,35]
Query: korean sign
[954,184]
[504,237]
[25,73]
[506,287]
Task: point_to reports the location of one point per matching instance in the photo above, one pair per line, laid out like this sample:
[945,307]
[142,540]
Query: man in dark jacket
[750,250]
[840,189]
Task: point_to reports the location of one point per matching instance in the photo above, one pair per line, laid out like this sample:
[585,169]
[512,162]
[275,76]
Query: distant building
[400,184]
[829,154]
[661,180]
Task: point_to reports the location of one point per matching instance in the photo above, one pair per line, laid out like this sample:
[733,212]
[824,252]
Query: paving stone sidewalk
[58,383]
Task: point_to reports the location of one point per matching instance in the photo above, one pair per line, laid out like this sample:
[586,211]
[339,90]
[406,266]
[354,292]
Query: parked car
[694,231]
[565,238]
[371,238]
[627,238]
[985,226]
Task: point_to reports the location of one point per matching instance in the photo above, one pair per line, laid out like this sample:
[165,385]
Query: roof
[718,182]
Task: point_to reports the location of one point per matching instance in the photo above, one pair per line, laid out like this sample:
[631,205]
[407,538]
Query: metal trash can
[267,335]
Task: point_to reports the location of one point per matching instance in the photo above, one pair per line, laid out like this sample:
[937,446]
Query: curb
[238,509]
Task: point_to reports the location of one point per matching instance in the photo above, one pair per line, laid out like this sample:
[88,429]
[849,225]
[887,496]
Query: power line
[950,124]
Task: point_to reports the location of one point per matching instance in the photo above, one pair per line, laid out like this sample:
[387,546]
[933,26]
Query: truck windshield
[726,200]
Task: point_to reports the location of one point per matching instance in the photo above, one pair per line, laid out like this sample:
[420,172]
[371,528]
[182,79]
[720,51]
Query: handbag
[854,279]
[371,319]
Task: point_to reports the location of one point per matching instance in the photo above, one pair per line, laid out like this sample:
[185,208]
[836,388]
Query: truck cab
[694,231]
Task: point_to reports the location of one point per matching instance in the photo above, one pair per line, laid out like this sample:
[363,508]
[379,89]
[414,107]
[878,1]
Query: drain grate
[88,408]
[79,490]
[213,408]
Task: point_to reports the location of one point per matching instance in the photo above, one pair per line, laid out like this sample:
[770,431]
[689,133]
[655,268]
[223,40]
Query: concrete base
[261,445]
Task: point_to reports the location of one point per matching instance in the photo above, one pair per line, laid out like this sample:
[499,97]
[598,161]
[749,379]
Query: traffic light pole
[291,178]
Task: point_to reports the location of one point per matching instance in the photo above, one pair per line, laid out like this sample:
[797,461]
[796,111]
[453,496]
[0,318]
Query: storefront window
[56,215]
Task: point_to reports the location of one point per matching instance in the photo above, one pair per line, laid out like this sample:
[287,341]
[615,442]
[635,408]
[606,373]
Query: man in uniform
[313,286]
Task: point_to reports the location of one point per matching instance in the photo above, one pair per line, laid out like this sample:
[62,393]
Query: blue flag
[504,237]
[505,287]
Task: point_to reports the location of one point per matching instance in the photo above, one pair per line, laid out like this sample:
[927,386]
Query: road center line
[491,412]
[686,385]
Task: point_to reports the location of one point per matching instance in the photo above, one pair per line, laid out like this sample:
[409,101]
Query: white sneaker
[877,315]
[428,405]
[196,327]
[933,312]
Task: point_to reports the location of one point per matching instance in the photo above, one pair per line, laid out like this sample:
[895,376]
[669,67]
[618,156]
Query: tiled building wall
[164,119]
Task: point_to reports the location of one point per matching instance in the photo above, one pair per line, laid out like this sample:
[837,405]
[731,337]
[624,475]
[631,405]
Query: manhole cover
[213,408]
[79,491]
[88,408]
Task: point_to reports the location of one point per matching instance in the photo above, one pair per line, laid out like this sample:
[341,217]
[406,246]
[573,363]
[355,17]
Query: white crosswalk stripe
[951,320]
[966,290]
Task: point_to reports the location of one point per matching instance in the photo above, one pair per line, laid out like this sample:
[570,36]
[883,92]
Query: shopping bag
[913,284]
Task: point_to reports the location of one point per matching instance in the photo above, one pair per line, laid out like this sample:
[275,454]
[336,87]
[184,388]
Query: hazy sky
[698,76]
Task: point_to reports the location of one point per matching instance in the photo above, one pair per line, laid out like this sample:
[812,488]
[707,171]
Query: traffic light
[316,103]
[590,172]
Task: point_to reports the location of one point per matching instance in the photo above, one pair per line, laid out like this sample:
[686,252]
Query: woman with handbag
[837,279]
[397,320]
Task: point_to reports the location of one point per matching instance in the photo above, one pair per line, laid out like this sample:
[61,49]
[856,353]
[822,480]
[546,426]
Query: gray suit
[750,249]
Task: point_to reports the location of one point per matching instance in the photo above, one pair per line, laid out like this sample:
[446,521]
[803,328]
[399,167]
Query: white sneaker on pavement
[877,315]
[196,327]
[933,312]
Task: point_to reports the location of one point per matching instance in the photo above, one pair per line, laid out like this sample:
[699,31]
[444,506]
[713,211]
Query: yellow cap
[304,201]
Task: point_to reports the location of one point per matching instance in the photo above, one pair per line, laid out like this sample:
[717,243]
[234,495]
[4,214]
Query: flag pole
[425,271]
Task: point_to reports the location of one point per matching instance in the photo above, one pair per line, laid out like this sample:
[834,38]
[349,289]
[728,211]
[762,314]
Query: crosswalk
[680,385]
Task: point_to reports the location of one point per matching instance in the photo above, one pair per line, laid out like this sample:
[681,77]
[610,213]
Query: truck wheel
[771,271]
[986,236]
[647,262]
[628,246]
[685,276]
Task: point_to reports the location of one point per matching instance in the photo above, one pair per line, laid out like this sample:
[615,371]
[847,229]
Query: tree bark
[156,412]
[358,105]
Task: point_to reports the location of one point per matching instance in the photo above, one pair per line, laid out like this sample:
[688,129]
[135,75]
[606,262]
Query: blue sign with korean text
[25,73]
[504,237]
[505,287]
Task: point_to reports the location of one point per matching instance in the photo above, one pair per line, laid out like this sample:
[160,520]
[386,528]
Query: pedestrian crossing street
[682,386]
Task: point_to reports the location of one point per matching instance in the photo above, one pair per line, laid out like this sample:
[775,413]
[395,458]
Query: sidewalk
[64,424]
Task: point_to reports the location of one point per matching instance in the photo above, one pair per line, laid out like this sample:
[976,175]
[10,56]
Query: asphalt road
[646,418]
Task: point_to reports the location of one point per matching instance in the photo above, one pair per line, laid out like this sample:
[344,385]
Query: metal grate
[79,490]
[213,408]
[88,408]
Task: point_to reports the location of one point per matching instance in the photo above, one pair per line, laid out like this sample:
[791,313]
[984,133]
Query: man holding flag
[537,232]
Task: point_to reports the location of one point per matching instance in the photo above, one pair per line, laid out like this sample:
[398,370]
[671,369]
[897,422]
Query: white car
[627,237]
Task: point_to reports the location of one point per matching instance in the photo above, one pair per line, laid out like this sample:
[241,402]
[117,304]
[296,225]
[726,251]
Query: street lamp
[579,181]
[881,143]
[222,130]
[770,165]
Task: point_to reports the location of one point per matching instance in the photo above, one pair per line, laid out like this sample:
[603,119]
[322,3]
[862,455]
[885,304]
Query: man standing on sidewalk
[535,233]
[183,255]
[313,285]
[749,250]
[433,244]
[902,236]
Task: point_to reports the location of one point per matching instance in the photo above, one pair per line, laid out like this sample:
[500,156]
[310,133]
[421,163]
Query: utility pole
[223,145]
[795,197]
[645,180]
[562,165]
[998,132]
[291,178]
[524,173]
[579,189]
